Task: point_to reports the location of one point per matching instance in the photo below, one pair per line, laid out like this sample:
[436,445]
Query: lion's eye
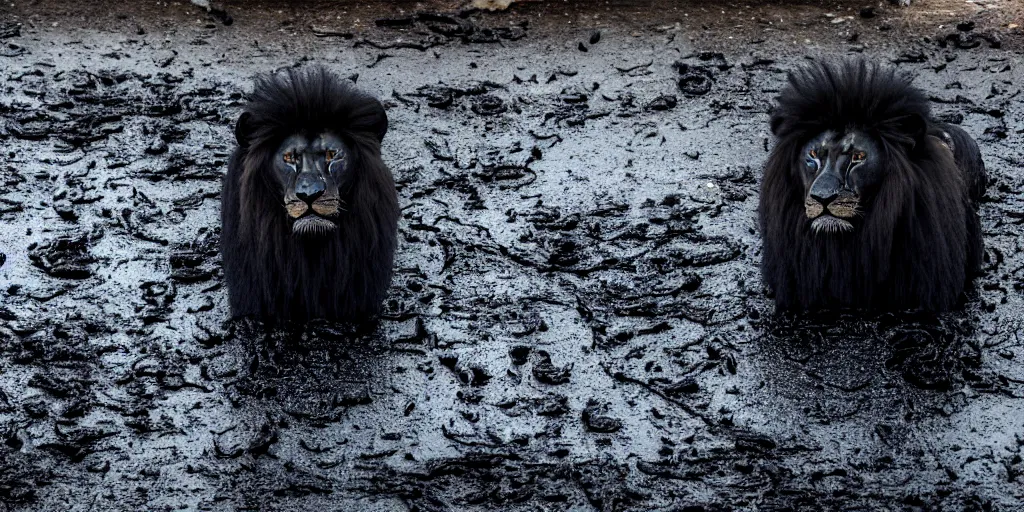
[289,158]
[859,156]
[811,161]
[331,153]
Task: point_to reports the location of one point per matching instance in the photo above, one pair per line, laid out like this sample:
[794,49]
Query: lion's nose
[308,187]
[826,187]
[823,199]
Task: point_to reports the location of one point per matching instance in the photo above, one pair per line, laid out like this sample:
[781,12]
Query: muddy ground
[576,322]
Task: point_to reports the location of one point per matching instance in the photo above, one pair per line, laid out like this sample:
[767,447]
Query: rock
[594,421]
[546,372]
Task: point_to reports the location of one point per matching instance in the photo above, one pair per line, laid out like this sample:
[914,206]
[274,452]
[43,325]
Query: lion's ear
[243,129]
[913,126]
[378,121]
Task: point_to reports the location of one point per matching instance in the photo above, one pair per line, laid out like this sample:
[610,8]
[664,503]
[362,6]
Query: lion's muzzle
[325,207]
[813,208]
[834,216]
[843,207]
[314,219]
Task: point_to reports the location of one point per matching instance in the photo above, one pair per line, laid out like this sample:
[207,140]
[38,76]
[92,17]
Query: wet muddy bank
[576,320]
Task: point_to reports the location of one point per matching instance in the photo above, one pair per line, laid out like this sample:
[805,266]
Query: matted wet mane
[919,240]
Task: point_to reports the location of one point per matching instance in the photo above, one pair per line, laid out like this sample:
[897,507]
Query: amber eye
[331,153]
[813,154]
[289,158]
[859,156]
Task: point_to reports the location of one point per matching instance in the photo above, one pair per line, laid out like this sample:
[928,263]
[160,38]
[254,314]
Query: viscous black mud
[576,321]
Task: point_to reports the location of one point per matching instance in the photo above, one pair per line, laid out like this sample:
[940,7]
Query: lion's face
[841,169]
[313,173]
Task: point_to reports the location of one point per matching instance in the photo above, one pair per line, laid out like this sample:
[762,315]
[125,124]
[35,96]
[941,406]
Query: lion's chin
[829,224]
[313,226]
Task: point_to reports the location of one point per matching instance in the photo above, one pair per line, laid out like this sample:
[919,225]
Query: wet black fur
[273,274]
[919,242]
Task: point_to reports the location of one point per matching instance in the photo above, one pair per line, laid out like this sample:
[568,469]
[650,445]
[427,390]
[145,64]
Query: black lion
[866,200]
[309,211]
